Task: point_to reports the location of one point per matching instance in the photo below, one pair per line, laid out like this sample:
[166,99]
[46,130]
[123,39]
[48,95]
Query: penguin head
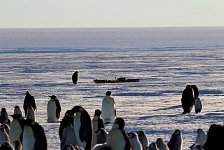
[69,113]
[76,109]
[97,112]
[177,132]
[3,110]
[140,132]
[53,97]
[120,122]
[132,135]
[153,146]
[100,131]
[159,141]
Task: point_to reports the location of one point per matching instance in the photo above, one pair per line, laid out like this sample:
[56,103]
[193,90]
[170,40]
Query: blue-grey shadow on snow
[169,108]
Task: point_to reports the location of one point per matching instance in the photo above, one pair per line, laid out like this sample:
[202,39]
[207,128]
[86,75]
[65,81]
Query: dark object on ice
[215,138]
[118,80]
[75,77]
[4,117]
[190,94]
[175,142]
[29,101]
[198,105]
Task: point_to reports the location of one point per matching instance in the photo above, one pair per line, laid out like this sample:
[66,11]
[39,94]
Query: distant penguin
[117,138]
[143,139]
[175,142]
[153,146]
[82,126]
[101,136]
[4,117]
[188,99]
[161,144]
[108,108]
[53,109]
[6,146]
[75,77]
[29,101]
[97,123]
[33,136]
[215,138]
[198,105]
[16,128]
[136,145]
[68,137]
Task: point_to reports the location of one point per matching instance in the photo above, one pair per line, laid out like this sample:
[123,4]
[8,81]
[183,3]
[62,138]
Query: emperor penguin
[188,99]
[215,138]
[82,126]
[201,137]
[136,145]
[175,142]
[153,146]
[101,136]
[68,137]
[75,77]
[143,139]
[16,128]
[33,136]
[53,109]
[198,105]
[65,121]
[117,138]
[161,144]
[97,123]
[6,146]
[4,117]
[108,108]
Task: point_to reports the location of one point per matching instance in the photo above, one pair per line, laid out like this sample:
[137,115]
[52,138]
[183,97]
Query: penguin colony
[78,132]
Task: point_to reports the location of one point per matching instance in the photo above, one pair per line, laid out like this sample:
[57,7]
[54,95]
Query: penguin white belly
[77,125]
[51,112]
[15,131]
[136,145]
[108,114]
[116,140]
[28,138]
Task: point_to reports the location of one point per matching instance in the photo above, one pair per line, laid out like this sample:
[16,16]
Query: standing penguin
[200,139]
[117,138]
[153,146]
[97,123]
[188,99]
[33,136]
[175,142]
[161,144]
[143,139]
[4,137]
[4,117]
[75,77]
[108,108]
[215,138]
[16,128]
[136,145]
[68,137]
[53,109]
[198,105]
[82,126]
[29,101]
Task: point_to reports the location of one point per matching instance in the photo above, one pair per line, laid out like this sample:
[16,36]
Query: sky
[110,13]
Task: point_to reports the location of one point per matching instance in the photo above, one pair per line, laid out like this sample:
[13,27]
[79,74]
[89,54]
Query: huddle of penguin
[190,98]
[24,133]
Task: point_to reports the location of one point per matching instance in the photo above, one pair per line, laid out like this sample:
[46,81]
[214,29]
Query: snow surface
[152,105]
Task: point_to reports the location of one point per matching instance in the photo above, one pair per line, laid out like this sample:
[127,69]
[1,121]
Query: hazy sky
[110,13]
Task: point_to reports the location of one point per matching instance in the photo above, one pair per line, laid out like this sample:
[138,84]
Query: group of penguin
[78,132]
[190,98]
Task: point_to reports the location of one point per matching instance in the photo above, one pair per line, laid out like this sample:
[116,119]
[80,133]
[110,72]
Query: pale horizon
[111,14]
